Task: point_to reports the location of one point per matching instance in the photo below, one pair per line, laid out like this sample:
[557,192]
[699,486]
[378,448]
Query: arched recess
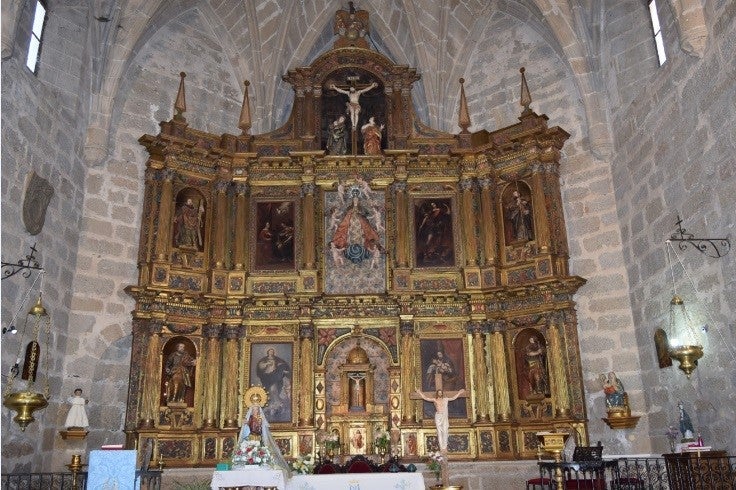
[149,19]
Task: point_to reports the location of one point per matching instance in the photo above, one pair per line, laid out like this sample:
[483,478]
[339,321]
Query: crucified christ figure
[441,417]
[353,104]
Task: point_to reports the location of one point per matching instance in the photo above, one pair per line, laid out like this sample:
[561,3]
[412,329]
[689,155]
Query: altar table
[254,476]
[338,481]
[357,481]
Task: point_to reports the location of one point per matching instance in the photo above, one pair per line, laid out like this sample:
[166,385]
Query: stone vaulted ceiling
[263,39]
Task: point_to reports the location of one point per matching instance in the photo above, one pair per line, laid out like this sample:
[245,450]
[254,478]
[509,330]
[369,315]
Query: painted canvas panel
[443,367]
[355,239]
[271,367]
[275,236]
[434,243]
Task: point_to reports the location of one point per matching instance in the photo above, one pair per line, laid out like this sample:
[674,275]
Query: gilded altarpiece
[342,276]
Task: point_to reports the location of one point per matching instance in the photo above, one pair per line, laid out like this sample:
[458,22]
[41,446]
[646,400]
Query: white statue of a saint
[77,416]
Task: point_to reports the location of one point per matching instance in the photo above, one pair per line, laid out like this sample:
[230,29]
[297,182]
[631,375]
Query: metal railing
[673,473]
[150,480]
[44,481]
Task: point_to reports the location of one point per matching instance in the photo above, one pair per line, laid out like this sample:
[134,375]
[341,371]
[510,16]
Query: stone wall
[40,134]
[108,243]
[675,137]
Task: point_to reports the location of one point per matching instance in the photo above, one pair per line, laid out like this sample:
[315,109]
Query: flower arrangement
[303,465]
[434,464]
[332,443]
[382,441]
[251,453]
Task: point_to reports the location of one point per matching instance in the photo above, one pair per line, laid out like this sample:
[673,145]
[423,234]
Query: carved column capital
[467,184]
[242,188]
[399,186]
[212,330]
[407,328]
[306,331]
[233,332]
[308,189]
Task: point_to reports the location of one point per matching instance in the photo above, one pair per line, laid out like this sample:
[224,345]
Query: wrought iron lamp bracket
[711,247]
[26,265]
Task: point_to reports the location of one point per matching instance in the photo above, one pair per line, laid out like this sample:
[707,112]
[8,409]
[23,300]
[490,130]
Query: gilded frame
[271,365]
[429,214]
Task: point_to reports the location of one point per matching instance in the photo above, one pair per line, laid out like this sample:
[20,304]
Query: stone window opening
[34,44]
[657,31]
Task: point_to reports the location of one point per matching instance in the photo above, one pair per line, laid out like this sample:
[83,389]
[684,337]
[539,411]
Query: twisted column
[408,348]
[220,224]
[560,391]
[309,225]
[469,222]
[500,375]
[211,365]
[163,237]
[241,231]
[481,371]
[402,227]
[488,230]
[230,365]
[306,384]
[151,386]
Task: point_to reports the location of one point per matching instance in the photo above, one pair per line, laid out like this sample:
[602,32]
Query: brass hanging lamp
[26,401]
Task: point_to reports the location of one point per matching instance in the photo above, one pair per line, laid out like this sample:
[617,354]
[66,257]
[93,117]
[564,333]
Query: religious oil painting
[434,244]
[443,368]
[358,440]
[355,238]
[532,374]
[271,367]
[275,235]
[189,220]
[518,219]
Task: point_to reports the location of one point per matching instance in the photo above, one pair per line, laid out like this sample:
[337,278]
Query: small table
[255,476]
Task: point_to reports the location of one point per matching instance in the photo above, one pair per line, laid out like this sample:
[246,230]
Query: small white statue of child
[77,416]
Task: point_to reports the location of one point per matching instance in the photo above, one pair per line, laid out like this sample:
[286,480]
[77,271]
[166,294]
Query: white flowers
[251,453]
[303,464]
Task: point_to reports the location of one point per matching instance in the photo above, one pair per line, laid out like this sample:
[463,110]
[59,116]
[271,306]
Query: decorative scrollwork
[712,247]
[26,265]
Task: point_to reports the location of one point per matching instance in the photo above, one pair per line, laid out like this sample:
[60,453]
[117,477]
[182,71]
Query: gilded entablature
[353,227]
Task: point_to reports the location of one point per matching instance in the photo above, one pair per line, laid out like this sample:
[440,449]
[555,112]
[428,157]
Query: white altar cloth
[338,481]
[254,476]
[357,481]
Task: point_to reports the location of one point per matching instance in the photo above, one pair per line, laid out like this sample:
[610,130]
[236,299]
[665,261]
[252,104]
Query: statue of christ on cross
[441,416]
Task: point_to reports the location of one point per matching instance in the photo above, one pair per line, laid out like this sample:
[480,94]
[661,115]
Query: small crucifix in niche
[353,91]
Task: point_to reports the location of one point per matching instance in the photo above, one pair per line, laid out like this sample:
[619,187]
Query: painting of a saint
[443,368]
[434,243]
[355,256]
[271,367]
[532,372]
[189,219]
[275,236]
[517,213]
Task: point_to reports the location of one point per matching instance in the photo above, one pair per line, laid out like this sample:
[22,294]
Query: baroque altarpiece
[345,261]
